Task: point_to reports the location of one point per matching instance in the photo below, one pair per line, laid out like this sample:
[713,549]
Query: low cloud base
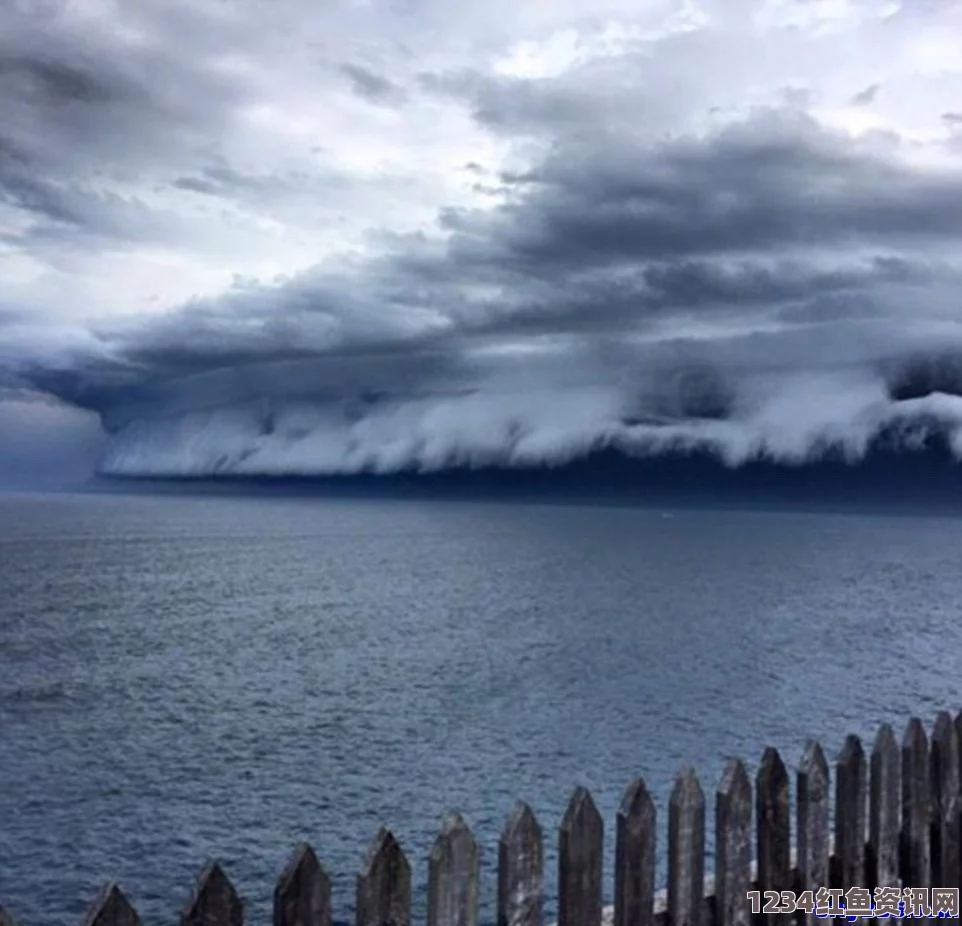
[927,478]
[834,434]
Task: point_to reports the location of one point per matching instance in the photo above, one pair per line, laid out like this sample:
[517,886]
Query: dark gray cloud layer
[773,218]
[763,284]
[68,102]
[373,87]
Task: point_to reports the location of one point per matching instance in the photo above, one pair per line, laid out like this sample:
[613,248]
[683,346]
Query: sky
[258,237]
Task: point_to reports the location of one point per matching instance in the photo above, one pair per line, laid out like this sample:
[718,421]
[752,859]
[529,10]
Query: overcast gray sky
[273,236]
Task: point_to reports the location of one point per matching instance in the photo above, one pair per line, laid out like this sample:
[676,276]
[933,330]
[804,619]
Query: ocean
[186,676]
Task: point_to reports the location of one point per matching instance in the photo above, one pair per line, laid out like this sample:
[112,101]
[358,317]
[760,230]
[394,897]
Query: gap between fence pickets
[661,897]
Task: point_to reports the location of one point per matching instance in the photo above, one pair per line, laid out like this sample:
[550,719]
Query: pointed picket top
[384,885]
[687,791]
[637,808]
[773,825]
[734,784]
[733,850]
[6,919]
[811,797]
[814,763]
[110,908]
[885,807]
[522,824]
[635,836]
[453,827]
[521,870]
[580,852]
[455,837]
[302,896]
[384,852]
[214,901]
[916,809]
[772,767]
[851,788]
[581,809]
[383,842]
[852,751]
[686,850]
[885,741]
[453,874]
[914,736]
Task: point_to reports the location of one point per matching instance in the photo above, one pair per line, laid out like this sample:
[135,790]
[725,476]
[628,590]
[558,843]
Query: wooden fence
[896,823]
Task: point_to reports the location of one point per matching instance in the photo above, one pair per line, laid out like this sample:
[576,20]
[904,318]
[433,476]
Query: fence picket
[635,842]
[453,872]
[773,829]
[384,884]
[302,896]
[686,850]
[580,862]
[110,908]
[916,860]
[521,870]
[850,796]
[214,901]
[733,846]
[944,777]
[812,783]
[885,810]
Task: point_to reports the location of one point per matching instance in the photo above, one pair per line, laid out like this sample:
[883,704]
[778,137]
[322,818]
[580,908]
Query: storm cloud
[387,238]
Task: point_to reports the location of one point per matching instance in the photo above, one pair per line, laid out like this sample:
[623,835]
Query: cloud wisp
[643,252]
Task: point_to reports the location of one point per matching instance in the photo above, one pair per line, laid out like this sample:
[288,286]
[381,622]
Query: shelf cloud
[385,238]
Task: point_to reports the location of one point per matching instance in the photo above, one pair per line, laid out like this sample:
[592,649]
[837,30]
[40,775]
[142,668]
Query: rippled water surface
[193,677]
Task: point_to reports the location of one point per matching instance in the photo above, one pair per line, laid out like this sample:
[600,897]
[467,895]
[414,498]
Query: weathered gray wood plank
[384,884]
[851,792]
[635,843]
[957,723]
[950,845]
[733,846]
[580,860]
[214,901]
[812,784]
[302,896]
[686,850]
[773,829]
[944,759]
[885,810]
[944,776]
[453,873]
[110,908]
[916,860]
[521,870]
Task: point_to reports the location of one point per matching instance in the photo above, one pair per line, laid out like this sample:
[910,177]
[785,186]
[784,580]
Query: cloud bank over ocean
[534,412]
[729,228]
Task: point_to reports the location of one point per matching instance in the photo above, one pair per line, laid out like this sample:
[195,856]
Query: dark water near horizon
[192,677]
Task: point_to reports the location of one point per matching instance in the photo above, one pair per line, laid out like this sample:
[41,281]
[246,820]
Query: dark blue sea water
[193,677]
